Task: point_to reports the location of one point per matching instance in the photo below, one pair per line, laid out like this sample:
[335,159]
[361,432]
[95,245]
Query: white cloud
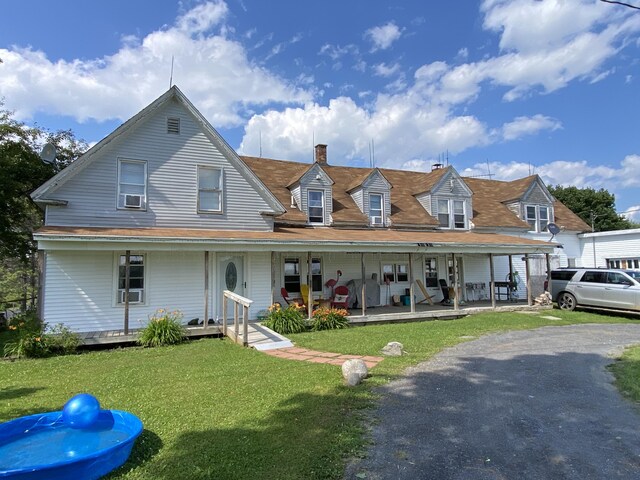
[383,36]
[633,213]
[211,69]
[561,172]
[384,70]
[522,126]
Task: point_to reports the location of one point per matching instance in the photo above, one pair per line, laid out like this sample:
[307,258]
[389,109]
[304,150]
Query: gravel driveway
[535,404]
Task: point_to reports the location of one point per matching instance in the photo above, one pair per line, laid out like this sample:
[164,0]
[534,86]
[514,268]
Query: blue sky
[513,87]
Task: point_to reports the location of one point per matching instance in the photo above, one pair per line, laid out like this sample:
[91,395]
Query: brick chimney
[321,154]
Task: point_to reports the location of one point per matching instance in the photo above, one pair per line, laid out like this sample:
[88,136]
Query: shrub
[164,328]
[34,339]
[329,319]
[286,320]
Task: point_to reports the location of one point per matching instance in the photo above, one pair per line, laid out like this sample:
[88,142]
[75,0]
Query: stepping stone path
[305,355]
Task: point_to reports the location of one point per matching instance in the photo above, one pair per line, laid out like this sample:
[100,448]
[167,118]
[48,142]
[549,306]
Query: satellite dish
[48,153]
[553,229]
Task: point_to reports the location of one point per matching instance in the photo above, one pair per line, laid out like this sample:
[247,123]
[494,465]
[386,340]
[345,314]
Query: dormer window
[315,202]
[538,217]
[446,220]
[376,210]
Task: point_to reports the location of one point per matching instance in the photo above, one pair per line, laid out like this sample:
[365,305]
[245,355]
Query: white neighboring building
[614,249]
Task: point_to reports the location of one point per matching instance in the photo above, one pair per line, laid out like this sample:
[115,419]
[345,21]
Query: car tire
[566,301]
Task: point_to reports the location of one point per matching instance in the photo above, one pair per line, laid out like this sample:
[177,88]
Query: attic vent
[173,125]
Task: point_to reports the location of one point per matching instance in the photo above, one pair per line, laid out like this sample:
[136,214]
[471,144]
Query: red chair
[289,300]
[340,297]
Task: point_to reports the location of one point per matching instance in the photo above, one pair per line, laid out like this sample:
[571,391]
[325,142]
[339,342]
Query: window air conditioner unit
[376,220]
[133,201]
[135,296]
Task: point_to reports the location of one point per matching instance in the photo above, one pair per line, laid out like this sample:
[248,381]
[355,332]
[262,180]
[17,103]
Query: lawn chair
[304,291]
[446,298]
[340,297]
[427,297]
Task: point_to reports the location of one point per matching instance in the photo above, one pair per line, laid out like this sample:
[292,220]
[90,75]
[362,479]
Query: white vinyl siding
[172,191]
[132,184]
[210,188]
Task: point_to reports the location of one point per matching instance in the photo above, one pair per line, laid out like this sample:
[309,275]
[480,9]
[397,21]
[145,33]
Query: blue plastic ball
[81,411]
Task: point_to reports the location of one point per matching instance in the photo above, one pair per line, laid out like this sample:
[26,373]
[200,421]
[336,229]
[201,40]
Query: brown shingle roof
[489,209]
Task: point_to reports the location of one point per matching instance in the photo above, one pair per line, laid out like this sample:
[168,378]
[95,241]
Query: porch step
[273,345]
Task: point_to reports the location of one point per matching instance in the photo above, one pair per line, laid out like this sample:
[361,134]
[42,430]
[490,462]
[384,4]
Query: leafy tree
[21,172]
[597,206]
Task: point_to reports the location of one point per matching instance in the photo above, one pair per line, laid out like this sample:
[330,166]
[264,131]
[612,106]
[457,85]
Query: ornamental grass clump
[329,319]
[286,320]
[164,328]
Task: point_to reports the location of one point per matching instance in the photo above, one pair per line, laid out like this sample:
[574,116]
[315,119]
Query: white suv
[596,287]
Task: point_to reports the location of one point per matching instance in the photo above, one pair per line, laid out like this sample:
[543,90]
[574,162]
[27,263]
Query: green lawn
[212,409]
[627,373]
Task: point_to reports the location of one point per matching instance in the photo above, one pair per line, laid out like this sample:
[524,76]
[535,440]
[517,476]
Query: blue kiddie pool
[81,442]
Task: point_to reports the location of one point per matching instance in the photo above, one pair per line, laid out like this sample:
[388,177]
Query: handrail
[237,300]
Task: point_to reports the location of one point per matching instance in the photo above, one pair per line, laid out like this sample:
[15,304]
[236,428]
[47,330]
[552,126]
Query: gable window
[443,213]
[209,189]
[132,184]
[136,279]
[375,209]
[292,275]
[538,217]
[315,200]
[445,209]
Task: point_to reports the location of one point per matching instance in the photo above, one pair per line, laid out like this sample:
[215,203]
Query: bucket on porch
[405,299]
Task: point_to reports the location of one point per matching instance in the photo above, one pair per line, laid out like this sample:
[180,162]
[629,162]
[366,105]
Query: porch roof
[315,239]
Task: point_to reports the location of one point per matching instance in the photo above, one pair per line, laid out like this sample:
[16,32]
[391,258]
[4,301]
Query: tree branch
[621,3]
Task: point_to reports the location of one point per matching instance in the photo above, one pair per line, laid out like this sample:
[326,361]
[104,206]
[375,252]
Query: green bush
[32,338]
[164,328]
[287,320]
[329,319]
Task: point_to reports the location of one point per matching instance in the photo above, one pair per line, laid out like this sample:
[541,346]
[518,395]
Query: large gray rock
[354,371]
[392,349]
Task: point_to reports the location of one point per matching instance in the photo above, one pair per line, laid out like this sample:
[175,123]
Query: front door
[230,277]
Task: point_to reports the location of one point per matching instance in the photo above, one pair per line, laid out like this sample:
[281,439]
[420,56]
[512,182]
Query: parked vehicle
[596,287]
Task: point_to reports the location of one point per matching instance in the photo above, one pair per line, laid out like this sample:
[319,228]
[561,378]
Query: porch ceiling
[300,239]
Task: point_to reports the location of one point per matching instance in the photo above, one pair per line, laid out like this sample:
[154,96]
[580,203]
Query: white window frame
[143,206]
[535,222]
[219,190]
[451,214]
[322,196]
[430,267]
[381,209]
[405,273]
[116,284]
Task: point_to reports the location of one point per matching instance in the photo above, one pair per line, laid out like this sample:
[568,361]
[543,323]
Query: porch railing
[238,301]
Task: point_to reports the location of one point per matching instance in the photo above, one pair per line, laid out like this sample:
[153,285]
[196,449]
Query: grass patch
[214,410]
[627,373]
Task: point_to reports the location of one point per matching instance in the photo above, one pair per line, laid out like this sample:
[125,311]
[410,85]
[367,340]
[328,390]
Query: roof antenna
[171,76]
[373,153]
[489,174]
[370,159]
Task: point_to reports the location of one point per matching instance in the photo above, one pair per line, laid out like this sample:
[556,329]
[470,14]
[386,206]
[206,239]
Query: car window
[563,274]
[617,278]
[594,277]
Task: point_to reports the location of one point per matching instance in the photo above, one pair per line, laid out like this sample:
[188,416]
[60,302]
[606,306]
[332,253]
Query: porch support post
[456,300]
[510,277]
[527,274]
[127,262]
[492,283]
[206,289]
[364,286]
[41,279]
[224,315]
[309,300]
[412,300]
[548,260]
[273,277]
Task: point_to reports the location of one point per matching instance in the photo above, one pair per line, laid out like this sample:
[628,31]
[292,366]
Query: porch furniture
[476,288]
[304,291]
[355,292]
[341,297]
[325,302]
[287,298]
[508,289]
[446,298]
[427,297]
